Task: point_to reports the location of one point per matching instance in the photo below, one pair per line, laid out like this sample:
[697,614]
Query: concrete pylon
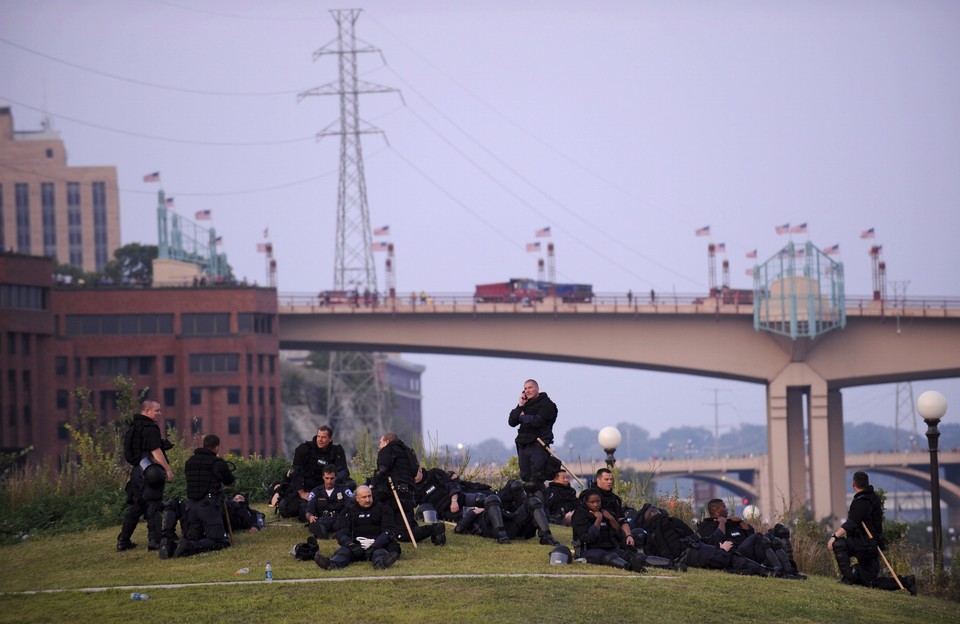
[792,472]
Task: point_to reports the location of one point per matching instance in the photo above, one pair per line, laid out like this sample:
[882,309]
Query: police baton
[226,514]
[884,557]
[402,514]
[572,474]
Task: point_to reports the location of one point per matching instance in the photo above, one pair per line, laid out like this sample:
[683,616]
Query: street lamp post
[609,439]
[932,406]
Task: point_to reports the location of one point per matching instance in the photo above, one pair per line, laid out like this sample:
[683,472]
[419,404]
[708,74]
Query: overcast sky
[623,126]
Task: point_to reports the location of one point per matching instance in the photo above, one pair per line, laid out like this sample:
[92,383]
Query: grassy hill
[80,578]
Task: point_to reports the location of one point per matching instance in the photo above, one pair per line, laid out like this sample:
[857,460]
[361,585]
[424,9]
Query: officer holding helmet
[144,449]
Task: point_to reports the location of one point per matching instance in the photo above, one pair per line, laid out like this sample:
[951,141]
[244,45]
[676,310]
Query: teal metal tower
[181,239]
[799,293]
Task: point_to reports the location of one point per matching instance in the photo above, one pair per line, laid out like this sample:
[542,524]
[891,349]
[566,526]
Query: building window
[260,395]
[273,396]
[62,433]
[27,417]
[48,214]
[11,343]
[250,396]
[273,425]
[169,424]
[250,426]
[169,364]
[145,365]
[109,366]
[257,323]
[273,364]
[233,395]
[26,343]
[196,425]
[214,362]
[100,250]
[60,366]
[76,366]
[169,397]
[262,424]
[205,324]
[260,364]
[22,202]
[196,396]
[19,297]
[249,363]
[233,425]
[74,224]
[119,324]
[63,399]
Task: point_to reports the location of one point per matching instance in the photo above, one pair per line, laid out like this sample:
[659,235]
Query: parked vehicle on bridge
[520,289]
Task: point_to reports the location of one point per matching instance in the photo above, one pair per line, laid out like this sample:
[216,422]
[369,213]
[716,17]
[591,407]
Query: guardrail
[600,303]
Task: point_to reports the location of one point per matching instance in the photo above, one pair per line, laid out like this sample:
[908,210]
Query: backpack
[131,438]
[412,460]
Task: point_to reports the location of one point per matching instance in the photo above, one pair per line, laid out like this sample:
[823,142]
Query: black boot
[542,522]
[439,534]
[466,523]
[495,518]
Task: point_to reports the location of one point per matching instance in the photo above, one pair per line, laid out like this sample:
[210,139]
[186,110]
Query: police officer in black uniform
[398,463]
[310,458]
[598,535]
[747,542]
[535,415]
[147,477]
[560,499]
[365,531]
[436,489]
[325,503]
[206,475]
[851,540]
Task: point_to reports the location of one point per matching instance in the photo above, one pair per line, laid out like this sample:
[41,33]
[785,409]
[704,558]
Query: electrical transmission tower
[906,424]
[357,393]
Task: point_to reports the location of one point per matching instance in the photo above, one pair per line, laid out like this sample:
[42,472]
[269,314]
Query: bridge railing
[600,303]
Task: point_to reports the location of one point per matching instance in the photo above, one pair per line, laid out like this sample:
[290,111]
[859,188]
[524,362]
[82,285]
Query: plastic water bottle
[139,596]
[243,571]
[269,574]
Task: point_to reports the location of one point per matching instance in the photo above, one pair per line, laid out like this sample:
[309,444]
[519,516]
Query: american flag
[379,246]
[152,177]
[783,229]
[542,232]
[721,248]
[868,234]
[704,231]
[800,252]
[799,229]
[382,231]
[834,249]
[218,240]
[265,247]
[170,203]
[204,215]
[750,272]
[533,246]
[752,254]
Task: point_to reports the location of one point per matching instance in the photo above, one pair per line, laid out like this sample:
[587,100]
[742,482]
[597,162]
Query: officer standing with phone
[535,415]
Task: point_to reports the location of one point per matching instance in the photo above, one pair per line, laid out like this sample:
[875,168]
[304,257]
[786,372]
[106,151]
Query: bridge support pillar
[786,485]
[791,470]
[827,458]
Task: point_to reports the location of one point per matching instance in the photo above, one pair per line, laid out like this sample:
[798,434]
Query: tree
[132,263]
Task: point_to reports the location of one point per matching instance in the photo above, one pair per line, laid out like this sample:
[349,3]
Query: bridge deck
[460,303]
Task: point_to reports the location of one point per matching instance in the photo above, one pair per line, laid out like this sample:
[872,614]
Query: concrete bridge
[745,476]
[695,335]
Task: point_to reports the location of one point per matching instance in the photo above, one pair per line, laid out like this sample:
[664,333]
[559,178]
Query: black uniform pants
[144,501]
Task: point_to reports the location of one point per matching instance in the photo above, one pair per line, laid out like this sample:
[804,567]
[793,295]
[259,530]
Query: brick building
[48,208]
[209,355]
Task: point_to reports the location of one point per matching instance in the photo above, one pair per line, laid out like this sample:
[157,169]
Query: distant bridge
[743,476]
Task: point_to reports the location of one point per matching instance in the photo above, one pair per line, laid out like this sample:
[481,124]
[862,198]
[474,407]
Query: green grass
[577,593]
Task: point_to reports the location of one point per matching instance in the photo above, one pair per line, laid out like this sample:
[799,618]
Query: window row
[119,324]
[20,297]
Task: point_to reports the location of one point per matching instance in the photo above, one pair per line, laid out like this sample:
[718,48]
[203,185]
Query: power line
[160,138]
[144,83]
